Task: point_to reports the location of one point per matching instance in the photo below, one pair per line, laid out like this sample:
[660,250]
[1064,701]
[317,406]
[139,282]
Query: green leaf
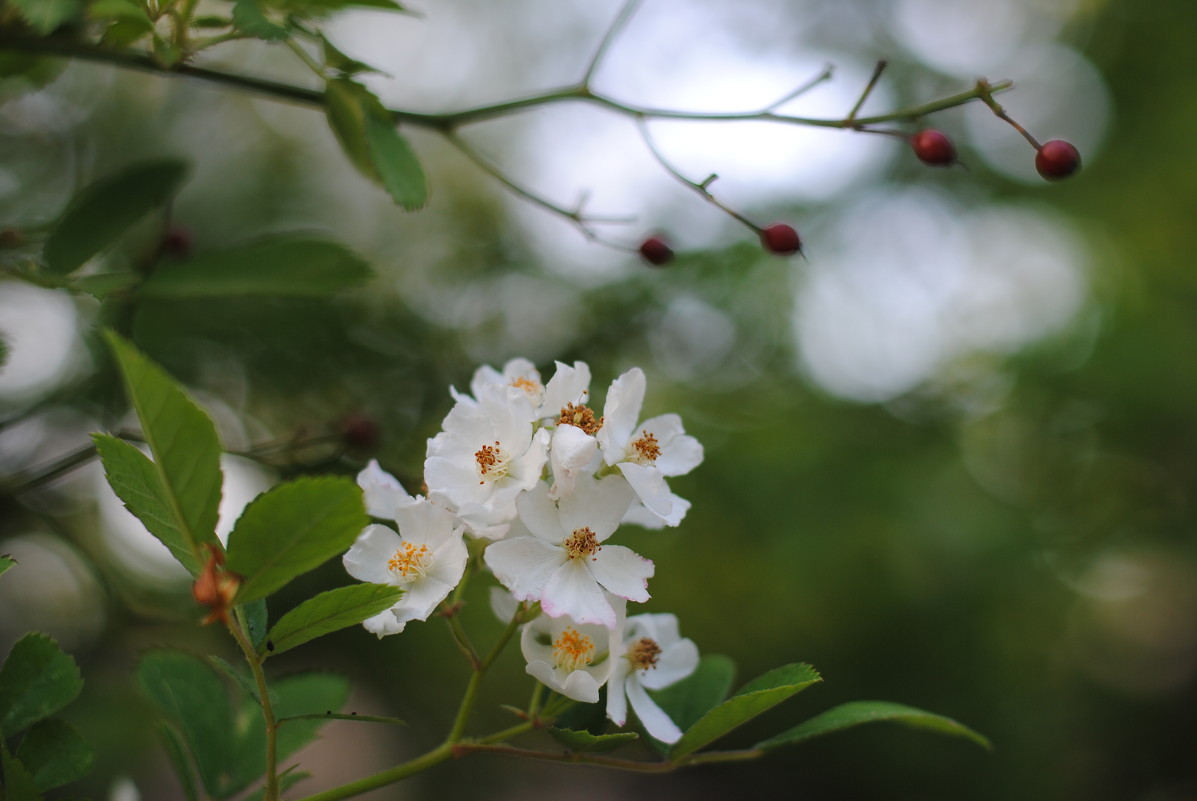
[366,131]
[44,16]
[121,10]
[855,713]
[245,680]
[18,781]
[692,697]
[330,611]
[291,529]
[137,482]
[176,750]
[37,680]
[6,562]
[193,699]
[334,59]
[55,754]
[182,440]
[295,265]
[286,780]
[257,621]
[584,741]
[397,166]
[755,697]
[102,285]
[337,5]
[250,17]
[3,349]
[104,210]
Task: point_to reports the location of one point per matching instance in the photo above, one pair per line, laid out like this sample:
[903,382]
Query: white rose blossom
[382,492]
[561,559]
[651,655]
[646,452]
[426,558]
[570,657]
[487,454]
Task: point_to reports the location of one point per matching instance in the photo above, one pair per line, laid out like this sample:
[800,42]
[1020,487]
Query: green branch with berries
[162,38]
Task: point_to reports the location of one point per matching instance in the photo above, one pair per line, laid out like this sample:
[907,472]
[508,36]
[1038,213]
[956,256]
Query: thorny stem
[447,123]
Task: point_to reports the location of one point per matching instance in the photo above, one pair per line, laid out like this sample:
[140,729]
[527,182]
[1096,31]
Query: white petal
[674,663]
[568,385]
[503,604]
[382,491]
[572,591]
[617,701]
[650,487]
[622,572]
[425,523]
[578,685]
[421,598]
[652,717]
[524,565]
[620,413]
[540,515]
[680,453]
[367,559]
[384,623]
[597,505]
[570,453]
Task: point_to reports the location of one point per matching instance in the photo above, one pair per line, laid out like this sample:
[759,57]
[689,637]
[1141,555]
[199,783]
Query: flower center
[572,650]
[581,416]
[529,386]
[410,562]
[492,462]
[644,450]
[582,542]
[644,653]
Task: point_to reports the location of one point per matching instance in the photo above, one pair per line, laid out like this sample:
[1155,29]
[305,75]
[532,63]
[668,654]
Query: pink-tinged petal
[651,716]
[367,559]
[524,565]
[674,663]
[539,513]
[384,623]
[621,411]
[622,572]
[382,491]
[650,487]
[573,591]
[617,701]
[680,452]
[597,505]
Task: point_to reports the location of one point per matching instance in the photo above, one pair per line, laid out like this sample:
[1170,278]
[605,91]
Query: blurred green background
[950,458]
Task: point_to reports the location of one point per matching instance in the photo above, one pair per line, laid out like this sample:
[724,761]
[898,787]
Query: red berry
[359,432]
[654,251]
[780,239]
[933,148]
[1057,160]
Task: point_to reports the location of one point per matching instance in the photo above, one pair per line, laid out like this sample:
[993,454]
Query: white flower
[561,560]
[382,492]
[570,657]
[487,454]
[518,373]
[426,558]
[568,384]
[650,655]
[646,452]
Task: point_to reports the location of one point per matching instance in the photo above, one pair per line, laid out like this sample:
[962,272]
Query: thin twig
[625,13]
[700,188]
[985,93]
[825,75]
[868,90]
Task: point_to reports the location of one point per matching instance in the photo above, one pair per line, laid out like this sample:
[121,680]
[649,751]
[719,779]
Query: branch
[621,20]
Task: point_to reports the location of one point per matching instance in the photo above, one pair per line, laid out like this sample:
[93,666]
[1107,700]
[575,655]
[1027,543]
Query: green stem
[271,791]
[610,762]
[390,776]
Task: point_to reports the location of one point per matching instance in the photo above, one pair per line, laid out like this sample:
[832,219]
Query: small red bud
[1057,159]
[215,587]
[933,148]
[359,432]
[178,242]
[781,239]
[654,251]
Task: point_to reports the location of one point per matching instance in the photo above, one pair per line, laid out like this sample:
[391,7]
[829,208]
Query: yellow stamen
[583,542]
[646,448]
[572,650]
[644,653]
[410,562]
[581,416]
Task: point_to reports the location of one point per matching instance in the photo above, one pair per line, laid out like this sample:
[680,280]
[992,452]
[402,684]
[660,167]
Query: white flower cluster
[531,469]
